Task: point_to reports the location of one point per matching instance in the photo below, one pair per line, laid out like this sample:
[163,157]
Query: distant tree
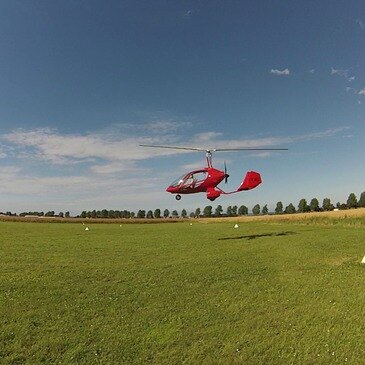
[303,206]
[265,210]
[149,214]
[351,201]
[126,214]
[327,205]
[243,210]
[314,205]
[132,215]
[256,209]
[192,215]
[197,212]
[166,213]
[157,213]
[104,213]
[29,213]
[361,202]
[60,214]
[93,214]
[141,214]
[290,209]
[50,214]
[67,214]
[83,214]
[218,211]
[207,212]
[111,213]
[229,211]
[184,214]
[234,210]
[279,208]
[175,214]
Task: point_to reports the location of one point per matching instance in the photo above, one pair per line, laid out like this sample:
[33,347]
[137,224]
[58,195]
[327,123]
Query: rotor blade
[249,149]
[175,147]
[215,149]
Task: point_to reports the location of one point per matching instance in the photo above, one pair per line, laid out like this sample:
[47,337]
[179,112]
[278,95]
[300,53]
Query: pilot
[190,182]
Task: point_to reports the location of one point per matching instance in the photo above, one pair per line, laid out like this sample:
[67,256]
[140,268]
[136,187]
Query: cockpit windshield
[190,180]
[178,181]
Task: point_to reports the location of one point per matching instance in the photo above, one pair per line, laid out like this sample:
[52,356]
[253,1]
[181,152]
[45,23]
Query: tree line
[208,211]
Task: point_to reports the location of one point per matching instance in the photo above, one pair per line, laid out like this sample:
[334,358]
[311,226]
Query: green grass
[265,293]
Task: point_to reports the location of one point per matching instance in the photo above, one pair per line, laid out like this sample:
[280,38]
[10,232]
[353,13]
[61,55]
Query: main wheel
[178,197]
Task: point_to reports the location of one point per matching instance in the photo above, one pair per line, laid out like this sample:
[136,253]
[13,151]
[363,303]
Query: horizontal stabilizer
[251,180]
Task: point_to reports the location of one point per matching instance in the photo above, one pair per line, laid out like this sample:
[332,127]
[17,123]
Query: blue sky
[83,83]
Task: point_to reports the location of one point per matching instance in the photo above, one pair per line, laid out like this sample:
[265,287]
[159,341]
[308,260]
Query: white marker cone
[87,228]
[236,225]
[363,260]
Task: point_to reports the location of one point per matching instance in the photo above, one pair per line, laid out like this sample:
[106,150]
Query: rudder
[251,181]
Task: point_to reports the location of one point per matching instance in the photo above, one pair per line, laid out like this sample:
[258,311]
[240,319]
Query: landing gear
[178,197]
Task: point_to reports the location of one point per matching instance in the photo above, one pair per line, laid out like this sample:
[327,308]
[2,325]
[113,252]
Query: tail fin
[251,180]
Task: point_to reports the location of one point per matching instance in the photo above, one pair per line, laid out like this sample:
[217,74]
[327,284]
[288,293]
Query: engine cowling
[213,194]
[251,181]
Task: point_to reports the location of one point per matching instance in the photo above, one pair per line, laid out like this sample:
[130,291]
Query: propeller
[226,176]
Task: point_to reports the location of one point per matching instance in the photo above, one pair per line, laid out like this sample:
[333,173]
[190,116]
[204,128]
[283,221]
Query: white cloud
[114,167]
[324,134]
[108,154]
[339,72]
[284,72]
[263,154]
[9,172]
[362,91]
[203,138]
[165,126]
[199,163]
[342,73]
[49,145]
[189,13]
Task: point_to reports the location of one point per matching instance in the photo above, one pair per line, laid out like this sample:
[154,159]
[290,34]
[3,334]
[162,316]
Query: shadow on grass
[254,236]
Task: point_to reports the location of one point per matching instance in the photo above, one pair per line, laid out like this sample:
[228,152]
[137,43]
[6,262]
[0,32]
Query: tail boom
[251,181]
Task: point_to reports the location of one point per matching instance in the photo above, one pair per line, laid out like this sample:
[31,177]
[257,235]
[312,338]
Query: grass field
[265,293]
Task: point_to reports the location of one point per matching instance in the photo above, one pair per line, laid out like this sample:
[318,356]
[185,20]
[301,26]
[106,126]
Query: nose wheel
[178,197]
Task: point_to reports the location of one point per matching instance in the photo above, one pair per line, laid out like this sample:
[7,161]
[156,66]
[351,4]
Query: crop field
[267,292]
